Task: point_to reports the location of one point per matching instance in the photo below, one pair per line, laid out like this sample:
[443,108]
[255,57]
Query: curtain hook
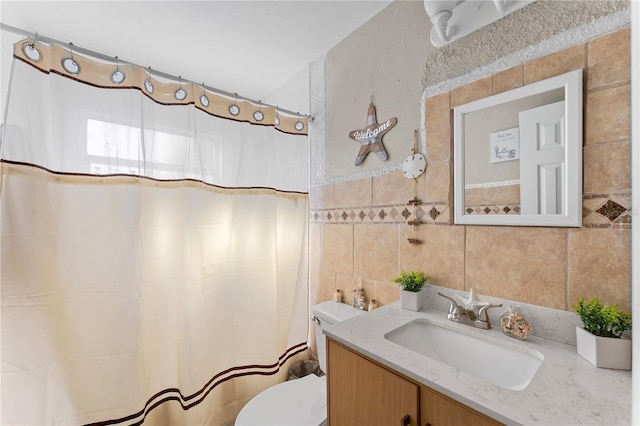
[258,115]
[234,109]
[180,94]
[31,51]
[69,63]
[276,119]
[204,101]
[147,81]
[117,76]
[35,40]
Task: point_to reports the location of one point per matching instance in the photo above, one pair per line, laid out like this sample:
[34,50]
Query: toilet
[302,401]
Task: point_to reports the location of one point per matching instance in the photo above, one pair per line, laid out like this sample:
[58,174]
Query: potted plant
[411,283]
[600,341]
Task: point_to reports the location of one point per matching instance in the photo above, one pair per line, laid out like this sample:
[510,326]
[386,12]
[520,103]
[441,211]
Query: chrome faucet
[473,312]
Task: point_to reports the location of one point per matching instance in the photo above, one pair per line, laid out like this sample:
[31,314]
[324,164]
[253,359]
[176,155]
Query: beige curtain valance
[50,57]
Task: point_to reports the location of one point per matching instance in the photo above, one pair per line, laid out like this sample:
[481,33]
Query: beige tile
[315,245]
[437,112]
[439,145]
[508,79]
[508,194]
[600,265]
[608,115]
[523,264]
[346,283]
[395,188]
[607,168]
[376,251]
[473,91]
[321,197]
[353,193]
[386,292]
[337,248]
[438,182]
[557,63]
[441,254]
[322,285]
[609,59]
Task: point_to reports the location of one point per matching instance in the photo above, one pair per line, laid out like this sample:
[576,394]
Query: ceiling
[247,47]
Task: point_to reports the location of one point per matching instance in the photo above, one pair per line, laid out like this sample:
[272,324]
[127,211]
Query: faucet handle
[483,317]
[454,309]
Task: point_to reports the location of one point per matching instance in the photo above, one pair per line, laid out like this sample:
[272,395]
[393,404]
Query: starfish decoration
[473,302]
[371,136]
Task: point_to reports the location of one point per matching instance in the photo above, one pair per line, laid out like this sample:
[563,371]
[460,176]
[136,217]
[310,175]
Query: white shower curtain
[153,259]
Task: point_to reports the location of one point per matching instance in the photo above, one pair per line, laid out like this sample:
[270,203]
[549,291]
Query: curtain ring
[117,77]
[31,51]
[276,119]
[204,101]
[233,108]
[258,115]
[69,63]
[147,81]
[180,94]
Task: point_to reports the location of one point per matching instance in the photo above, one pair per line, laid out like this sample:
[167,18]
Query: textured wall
[526,27]
[358,224]
[383,59]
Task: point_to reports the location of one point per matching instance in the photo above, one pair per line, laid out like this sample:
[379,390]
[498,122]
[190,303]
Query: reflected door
[542,144]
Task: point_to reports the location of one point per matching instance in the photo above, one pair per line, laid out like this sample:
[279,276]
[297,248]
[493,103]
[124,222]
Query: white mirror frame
[572,196]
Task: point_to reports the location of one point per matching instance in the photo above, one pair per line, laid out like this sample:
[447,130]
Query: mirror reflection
[518,156]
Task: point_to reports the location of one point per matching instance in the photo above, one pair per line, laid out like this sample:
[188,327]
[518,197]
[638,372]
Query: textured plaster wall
[358,222]
[382,59]
[540,21]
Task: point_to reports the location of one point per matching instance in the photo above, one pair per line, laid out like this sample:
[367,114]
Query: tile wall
[359,230]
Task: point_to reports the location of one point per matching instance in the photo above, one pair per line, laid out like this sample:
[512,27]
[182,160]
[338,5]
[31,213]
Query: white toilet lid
[296,402]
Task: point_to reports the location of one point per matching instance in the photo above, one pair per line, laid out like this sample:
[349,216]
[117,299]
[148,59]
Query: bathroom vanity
[385,397]
[376,378]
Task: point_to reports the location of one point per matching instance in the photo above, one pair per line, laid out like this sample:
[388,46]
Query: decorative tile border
[607,211]
[495,209]
[427,213]
[598,211]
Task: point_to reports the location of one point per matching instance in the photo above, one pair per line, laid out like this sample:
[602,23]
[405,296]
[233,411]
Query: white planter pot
[411,300]
[604,352]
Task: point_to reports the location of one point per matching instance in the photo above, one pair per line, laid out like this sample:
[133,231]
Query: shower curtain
[154,254]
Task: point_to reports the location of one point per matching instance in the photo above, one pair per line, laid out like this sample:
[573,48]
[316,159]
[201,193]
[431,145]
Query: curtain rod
[104,57]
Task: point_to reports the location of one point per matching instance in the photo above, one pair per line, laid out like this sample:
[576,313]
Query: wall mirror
[518,156]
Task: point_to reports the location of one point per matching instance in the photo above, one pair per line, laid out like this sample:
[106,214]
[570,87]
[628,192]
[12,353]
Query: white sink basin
[508,365]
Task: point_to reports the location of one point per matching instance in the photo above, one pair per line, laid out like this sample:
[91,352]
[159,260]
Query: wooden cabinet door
[361,392]
[437,409]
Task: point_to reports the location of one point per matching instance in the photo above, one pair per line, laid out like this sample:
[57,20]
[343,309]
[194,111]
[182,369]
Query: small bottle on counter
[337,296]
[372,305]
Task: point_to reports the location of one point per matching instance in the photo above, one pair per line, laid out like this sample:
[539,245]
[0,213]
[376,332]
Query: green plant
[411,280]
[602,320]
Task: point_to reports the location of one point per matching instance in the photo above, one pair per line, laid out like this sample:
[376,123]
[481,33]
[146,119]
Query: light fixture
[453,19]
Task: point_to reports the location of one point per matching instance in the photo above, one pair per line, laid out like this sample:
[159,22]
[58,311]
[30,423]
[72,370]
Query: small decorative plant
[602,320]
[411,280]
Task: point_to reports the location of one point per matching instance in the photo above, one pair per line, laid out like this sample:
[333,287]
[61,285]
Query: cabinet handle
[406,420]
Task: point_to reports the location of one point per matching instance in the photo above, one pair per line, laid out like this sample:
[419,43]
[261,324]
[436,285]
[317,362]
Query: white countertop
[566,389]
